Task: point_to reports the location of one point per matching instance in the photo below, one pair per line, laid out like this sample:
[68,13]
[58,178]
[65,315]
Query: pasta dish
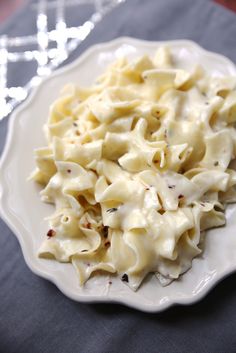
[137,167]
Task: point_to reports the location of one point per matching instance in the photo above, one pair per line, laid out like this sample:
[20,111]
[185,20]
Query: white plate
[23,211]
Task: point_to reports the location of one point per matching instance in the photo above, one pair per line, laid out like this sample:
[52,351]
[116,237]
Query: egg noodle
[138,166]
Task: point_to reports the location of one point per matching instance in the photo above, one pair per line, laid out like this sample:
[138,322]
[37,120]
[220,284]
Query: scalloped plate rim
[8,217]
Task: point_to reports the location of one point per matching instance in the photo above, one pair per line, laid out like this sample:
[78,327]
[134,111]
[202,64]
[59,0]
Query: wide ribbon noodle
[138,166]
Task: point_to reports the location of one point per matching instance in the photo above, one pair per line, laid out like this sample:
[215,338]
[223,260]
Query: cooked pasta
[138,166]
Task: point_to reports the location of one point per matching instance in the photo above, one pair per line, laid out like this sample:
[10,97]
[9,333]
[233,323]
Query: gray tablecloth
[34,315]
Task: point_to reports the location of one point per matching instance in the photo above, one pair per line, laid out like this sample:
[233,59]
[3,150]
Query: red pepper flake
[125,278]
[107,244]
[68,170]
[156,161]
[180,196]
[87,225]
[51,233]
[147,188]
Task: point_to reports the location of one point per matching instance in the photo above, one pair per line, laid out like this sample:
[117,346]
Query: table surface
[34,316]
[8,7]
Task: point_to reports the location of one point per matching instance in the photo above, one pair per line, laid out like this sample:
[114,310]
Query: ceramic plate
[23,211]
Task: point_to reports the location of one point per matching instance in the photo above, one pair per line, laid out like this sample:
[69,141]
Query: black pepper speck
[125,278]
